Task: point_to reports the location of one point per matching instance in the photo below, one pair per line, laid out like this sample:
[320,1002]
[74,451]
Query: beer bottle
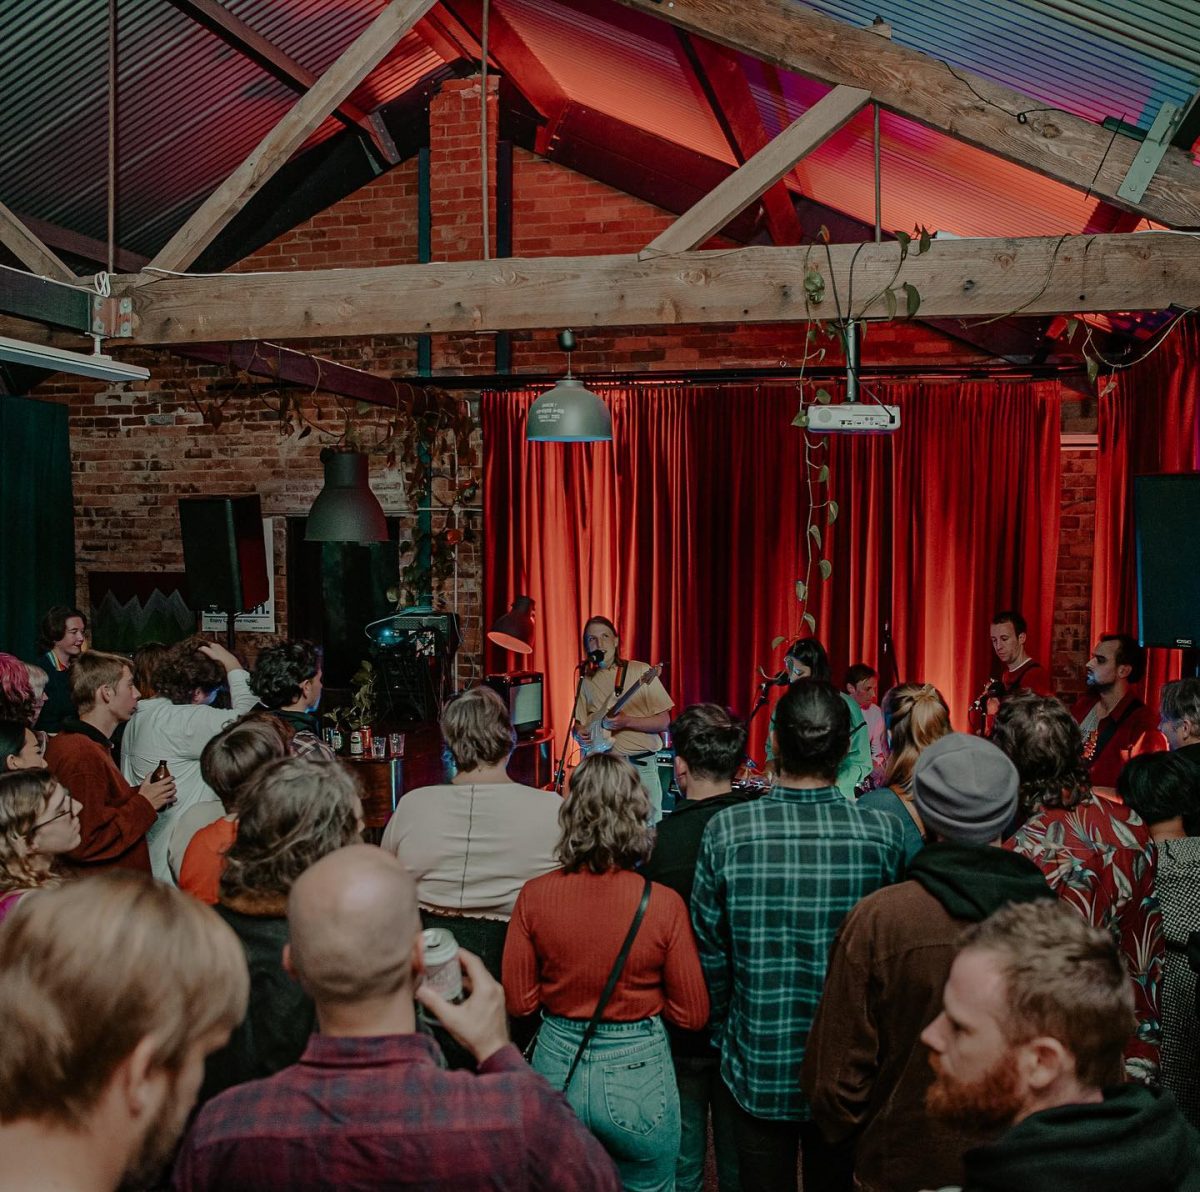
[160,772]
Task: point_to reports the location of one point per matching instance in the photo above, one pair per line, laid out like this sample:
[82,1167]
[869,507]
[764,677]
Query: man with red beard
[1035,1014]
[113,989]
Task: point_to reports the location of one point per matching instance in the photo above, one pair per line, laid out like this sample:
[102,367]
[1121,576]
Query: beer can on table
[442,972]
[356,743]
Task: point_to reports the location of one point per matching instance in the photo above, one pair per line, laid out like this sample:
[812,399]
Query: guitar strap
[619,686]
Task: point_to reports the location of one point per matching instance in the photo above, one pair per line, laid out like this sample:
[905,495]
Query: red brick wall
[136,451]
[1073,583]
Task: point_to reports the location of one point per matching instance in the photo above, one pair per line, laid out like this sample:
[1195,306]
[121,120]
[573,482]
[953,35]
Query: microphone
[592,658]
[779,680]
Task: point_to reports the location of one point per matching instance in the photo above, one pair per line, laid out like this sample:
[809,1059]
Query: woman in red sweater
[566,932]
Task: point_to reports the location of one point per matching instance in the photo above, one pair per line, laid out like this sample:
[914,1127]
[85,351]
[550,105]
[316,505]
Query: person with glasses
[39,821]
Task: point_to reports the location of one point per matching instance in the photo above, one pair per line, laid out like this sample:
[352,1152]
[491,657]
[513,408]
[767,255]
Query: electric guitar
[601,737]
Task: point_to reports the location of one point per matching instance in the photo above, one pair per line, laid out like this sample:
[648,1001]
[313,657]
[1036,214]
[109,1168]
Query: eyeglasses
[68,810]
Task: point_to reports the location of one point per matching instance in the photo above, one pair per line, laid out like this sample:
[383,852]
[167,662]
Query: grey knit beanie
[965,789]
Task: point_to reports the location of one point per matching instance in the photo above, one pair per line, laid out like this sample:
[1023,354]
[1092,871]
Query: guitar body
[601,737]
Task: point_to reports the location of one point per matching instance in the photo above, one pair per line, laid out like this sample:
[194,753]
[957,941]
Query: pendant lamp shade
[568,413]
[514,630]
[346,510]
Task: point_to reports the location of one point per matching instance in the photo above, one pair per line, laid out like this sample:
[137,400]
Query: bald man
[368,1105]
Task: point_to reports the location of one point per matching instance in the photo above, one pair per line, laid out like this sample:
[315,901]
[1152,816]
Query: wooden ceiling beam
[963,105]
[29,250]
[965,279]
[768,166]
[309,112]
[720,76]
[234,32]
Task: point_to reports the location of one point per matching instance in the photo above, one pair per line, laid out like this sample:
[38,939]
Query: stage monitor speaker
[1166,512]
[223,552]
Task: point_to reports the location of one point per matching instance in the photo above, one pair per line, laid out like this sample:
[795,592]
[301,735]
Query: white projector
[855,418]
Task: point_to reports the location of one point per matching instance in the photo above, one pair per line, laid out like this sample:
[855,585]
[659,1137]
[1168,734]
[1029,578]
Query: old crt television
[522,691]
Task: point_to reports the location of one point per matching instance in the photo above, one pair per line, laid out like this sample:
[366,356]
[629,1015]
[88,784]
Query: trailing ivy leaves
[925,240]
[801,591]
[823,397]
[776,642]
[831,513]
[814,286]
[823,474]
[811,621]
[889,298]
[801,419]
[1093,369]
[815,531]
[912,299]
[904,240]
[826,568]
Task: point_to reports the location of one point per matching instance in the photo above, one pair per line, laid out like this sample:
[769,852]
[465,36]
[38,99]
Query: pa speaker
[1166,512]
[223,552]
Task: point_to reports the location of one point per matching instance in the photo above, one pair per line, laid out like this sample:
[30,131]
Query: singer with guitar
[634,729]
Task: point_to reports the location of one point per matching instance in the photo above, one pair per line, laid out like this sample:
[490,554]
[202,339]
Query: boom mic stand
[764,689]
[560,771]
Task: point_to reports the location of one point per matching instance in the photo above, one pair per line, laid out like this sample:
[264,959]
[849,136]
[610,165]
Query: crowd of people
[915,959]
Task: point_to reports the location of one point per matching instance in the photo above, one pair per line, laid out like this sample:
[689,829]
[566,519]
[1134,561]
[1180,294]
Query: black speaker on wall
[223,552]
[1166,514]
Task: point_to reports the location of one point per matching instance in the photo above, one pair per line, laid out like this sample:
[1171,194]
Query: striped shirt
[774,881]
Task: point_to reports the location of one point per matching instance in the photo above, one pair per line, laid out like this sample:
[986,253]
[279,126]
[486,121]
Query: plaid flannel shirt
[380,1113]
[774,881]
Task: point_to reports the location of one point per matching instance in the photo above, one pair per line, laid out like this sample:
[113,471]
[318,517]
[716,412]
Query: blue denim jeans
[623,1091]
[699,1078]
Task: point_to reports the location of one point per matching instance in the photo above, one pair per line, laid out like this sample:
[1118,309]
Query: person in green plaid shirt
[774,881]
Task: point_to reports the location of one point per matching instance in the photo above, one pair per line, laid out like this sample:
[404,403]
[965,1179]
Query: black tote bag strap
[611,983]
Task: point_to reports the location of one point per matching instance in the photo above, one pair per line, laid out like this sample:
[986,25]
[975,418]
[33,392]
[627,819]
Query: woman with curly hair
[1095,852]
[915,715]
[39,821]
[624,1086]
[175,725]
[296,811]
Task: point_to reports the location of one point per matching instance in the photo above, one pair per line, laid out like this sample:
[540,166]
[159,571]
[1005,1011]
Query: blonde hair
[89,970]
[23,797]
[477,729]
[916,716]
[1063,978]
[604,820]
[37,680]
[296,810]
[93,670]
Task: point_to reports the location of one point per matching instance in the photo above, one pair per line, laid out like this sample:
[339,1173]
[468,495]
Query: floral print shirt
[1099,859]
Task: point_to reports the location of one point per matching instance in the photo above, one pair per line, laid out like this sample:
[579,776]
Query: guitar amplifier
[522,692]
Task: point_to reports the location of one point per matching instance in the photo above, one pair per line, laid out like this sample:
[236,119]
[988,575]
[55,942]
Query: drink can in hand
[442,972]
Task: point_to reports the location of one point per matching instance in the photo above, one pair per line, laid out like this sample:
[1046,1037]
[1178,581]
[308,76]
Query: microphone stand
[764,689]
[560,771]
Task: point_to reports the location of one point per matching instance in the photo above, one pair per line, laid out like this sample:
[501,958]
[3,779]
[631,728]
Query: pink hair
[16,695]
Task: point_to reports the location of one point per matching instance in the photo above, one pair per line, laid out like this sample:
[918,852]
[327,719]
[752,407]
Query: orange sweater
[565,933]
[204,860]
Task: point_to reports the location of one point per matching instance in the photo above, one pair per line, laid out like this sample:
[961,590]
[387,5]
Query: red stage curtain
[689,530]
[1149,422]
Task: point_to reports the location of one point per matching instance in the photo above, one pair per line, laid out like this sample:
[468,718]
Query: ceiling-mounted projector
[853,418]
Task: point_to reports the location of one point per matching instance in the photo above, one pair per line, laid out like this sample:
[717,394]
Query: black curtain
[37,533]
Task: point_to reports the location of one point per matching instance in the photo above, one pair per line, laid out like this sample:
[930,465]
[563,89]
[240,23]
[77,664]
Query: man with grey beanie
[865,1070]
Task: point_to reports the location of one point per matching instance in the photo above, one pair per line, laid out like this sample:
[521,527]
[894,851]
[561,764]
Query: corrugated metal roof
[193,108]
[1096,58]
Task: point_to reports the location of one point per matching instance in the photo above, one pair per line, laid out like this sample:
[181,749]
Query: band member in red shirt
[1116,725]
[1018,671]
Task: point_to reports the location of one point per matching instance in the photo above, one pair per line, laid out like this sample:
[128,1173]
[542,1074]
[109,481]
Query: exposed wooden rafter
[296,368]
[234,32]
[723,81]
[767,167]
[363,55]
[29,250]
[955,279]
[509,53]
[992,117]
